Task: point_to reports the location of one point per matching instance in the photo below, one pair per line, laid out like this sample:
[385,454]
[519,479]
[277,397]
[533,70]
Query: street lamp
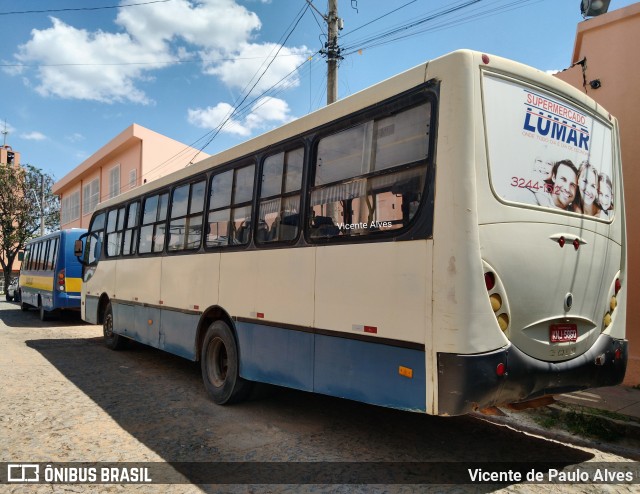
[592,8]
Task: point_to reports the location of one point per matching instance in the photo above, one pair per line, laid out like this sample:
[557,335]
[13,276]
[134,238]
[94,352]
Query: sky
[76,73]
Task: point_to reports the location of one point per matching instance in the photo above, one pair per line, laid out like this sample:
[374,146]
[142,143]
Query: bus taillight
[618,286]
[61,280]
[489,280]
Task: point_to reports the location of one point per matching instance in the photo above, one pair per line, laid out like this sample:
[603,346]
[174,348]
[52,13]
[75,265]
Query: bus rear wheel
[221,367]
[112,340]
[43,313]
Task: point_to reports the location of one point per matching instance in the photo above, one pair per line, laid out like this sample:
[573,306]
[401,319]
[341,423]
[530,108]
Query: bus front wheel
[112,340]
[221,367]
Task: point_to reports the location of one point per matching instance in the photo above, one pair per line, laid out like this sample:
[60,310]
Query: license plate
[559,333]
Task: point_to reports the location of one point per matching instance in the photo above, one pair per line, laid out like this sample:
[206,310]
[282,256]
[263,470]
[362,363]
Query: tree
[21,205]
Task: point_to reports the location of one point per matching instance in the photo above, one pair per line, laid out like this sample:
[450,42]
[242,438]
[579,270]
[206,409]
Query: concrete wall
[149,154]
[609,44]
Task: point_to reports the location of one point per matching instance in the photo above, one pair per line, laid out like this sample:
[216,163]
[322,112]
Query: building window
[133,178]
[90,196]
[114,181]
[70,208]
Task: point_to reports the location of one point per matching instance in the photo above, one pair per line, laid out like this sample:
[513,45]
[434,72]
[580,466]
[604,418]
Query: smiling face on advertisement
[565,184]
[588,182]
[605,194]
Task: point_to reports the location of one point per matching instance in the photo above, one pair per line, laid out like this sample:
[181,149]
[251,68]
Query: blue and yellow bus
[51,276]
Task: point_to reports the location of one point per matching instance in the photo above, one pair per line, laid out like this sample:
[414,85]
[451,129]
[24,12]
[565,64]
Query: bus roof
[361,100]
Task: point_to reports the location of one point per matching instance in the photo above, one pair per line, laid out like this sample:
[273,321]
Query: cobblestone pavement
[65,397]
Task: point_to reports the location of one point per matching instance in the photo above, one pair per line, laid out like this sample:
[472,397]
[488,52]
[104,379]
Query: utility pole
[331,49]
[41,204]
[4,134]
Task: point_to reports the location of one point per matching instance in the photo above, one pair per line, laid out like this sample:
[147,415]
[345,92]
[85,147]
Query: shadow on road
[159,399]
[12,316]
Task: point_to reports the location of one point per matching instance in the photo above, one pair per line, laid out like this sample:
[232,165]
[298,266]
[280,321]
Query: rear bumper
[469,382]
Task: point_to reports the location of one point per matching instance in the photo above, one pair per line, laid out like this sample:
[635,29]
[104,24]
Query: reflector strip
[366,329]
[405,371]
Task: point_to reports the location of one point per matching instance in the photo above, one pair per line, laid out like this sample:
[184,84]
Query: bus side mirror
[20,256]
[78,247]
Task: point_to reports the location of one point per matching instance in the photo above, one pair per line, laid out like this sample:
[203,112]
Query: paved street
[66,398]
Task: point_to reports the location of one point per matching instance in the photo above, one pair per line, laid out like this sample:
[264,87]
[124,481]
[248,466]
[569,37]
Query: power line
[397,35]
[238,109]
[231,114]
[83,8]
[108,64]
[377,18]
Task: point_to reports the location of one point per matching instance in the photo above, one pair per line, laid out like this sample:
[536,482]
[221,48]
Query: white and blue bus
[51,275]
[448,240]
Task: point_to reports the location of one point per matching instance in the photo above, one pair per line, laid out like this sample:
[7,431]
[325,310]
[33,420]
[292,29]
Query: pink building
[135,156]
[604,67]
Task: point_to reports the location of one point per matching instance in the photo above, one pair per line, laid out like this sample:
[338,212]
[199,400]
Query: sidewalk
[622,400]
[610,415]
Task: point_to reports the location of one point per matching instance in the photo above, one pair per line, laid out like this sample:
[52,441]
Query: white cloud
[265,113]
[75,137]
[552,71]
[215,25]
[66,50]
[252,59]
[34,136]
[108,66]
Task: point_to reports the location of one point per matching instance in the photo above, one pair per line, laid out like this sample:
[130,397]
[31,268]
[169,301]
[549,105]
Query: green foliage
[21,194]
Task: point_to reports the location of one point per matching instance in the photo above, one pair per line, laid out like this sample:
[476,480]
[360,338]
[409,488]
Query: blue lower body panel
[347,368]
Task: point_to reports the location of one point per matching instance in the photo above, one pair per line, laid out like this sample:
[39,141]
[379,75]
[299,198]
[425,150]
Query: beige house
[604,67]
[135,156]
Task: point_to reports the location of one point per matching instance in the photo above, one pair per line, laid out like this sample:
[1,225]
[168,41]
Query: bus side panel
[189,282]
[277,283]
[284,285]
[275,355]
[381,289]
[178,333]
[138,280]
[370,372]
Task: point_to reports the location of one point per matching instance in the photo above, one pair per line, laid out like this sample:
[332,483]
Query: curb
[577,425]
[593,422]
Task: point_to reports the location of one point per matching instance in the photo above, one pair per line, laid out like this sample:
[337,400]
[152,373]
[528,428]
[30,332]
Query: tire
[111,340]
[221,367]
[44,314]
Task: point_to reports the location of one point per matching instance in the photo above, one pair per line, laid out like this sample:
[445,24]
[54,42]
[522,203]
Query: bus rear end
[551,235]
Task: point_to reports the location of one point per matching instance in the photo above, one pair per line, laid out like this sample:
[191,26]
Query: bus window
[129,246]
[153,224]
[280,196]
[185,227]
[53,254]
[229,218]
[115,226]
[370,178]
[95,239]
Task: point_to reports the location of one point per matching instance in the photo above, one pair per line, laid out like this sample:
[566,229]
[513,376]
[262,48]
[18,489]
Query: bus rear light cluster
[497,297]
[61,280]
[613,303]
